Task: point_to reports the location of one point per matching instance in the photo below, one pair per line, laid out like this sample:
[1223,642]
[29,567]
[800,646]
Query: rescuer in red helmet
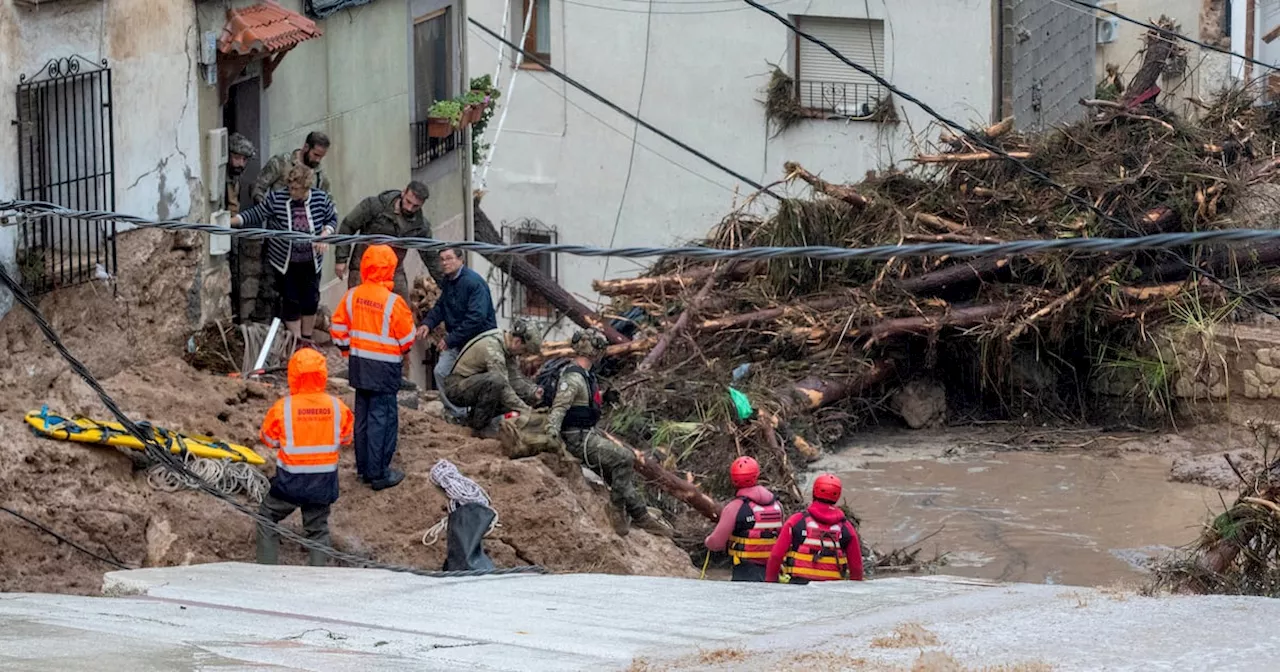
[817,544]
[749,525]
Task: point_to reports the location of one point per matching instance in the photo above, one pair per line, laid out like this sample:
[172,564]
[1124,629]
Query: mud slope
[550,515]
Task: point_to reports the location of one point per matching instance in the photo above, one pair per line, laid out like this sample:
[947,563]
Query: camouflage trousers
[615,464]
[257,283]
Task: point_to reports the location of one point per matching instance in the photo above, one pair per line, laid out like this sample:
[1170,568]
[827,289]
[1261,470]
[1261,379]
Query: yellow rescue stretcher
[86,430]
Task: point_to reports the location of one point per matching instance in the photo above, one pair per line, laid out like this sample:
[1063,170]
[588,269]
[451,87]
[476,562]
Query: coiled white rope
[227,477]
[461,490]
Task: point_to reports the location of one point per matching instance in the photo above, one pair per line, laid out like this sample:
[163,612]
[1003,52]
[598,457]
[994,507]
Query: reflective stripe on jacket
[817,552]
[374,326]
[755,531]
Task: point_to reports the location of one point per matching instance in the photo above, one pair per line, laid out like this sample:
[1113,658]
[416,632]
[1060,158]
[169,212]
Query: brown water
[1031,517]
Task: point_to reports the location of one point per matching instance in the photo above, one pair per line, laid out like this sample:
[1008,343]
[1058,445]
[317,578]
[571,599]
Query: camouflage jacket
[487,353]
[376,215]
[573,390]
[275,174]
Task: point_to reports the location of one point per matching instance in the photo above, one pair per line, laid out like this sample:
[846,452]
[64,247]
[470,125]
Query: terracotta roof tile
[264,27]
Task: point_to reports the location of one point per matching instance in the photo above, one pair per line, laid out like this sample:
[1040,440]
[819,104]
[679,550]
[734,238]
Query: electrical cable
[986,144]
[690,12]
[161,455]
[635,133]
[613,106]
[59,537]
[1167,33]
[613,128]
[1157,241]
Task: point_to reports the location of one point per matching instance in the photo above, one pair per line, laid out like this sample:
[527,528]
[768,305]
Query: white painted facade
[148,46]
[563,158]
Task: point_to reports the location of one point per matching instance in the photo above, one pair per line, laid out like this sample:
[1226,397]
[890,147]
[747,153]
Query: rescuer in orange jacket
[817,544]
[373,326]
[306,428]
[749,524]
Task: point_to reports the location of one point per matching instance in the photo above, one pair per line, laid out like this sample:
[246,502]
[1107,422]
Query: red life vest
[817,552]
[755,531]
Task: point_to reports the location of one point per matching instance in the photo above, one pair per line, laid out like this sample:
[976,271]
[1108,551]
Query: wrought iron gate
[66,156]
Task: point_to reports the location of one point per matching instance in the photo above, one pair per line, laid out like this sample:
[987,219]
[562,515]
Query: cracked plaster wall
[149,46]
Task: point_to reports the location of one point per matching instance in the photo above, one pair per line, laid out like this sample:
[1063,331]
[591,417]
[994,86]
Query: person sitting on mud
[575,410]
[486,377]
[306,428]
[819,543]
[749,525]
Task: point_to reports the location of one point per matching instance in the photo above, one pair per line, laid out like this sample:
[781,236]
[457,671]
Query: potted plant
[483,85]
[474,103]
[443,118]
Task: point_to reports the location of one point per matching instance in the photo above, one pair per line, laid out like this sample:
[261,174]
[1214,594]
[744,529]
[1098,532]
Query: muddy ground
[131,339]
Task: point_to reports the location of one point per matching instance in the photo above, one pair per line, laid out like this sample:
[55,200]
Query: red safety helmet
[744,472]
[827,488]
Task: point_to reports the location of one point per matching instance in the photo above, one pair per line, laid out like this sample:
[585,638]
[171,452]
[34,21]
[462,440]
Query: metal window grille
[427,149]
[839,98]
[66,155]
[523,302]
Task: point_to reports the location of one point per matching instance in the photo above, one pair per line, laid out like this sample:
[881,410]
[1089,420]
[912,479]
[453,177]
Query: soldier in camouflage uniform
[254,270]
[391,213]
[239,151]
[573,417]
[487,376]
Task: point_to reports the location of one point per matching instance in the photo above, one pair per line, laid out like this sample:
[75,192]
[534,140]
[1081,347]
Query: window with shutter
[826,84]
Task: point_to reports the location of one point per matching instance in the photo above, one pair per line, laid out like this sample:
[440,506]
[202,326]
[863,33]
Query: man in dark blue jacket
[465,307]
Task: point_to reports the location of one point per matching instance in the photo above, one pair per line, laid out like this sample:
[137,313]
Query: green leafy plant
[482,85]
[446,109]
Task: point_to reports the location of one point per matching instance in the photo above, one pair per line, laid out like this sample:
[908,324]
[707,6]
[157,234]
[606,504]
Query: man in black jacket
[465,307]
[392,213]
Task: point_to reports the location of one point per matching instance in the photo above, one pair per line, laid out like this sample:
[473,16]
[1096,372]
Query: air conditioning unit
[1108,29]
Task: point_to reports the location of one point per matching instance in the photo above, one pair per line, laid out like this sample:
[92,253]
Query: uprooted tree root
[1238,553]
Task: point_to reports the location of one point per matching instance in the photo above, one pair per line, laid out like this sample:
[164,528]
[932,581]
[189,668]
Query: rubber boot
[268,549]
[654,526]
[317,558]
[620,520]
[391,480]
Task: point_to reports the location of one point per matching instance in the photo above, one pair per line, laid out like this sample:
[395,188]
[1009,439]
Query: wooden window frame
[531,40]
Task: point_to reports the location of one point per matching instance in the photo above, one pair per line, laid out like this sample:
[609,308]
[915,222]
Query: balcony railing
[856,101]
[427,149]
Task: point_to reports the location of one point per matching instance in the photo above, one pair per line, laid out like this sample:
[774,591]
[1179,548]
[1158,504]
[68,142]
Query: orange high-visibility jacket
[374,326]
[307,428]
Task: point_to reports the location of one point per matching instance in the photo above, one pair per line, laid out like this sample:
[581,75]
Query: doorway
[242,114]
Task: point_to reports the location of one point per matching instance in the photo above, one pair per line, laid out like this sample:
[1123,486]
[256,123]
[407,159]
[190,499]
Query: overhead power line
[1167,33]
[47,530]
[613,106]
[1159,241]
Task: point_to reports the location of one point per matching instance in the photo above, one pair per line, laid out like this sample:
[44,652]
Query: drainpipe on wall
[468,193]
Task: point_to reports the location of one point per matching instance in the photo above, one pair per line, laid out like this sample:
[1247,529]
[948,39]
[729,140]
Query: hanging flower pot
[439,127]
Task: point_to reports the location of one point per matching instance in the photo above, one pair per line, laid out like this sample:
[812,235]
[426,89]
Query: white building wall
[148,46]
[704,85]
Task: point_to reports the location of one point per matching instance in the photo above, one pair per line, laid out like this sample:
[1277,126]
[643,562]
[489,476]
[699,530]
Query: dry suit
[373,326]
[306,428]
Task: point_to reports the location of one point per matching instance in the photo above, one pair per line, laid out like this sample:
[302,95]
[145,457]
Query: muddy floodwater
[1033,517]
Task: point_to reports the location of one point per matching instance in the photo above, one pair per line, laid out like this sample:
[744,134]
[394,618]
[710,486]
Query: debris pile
[819,347]
[1238,552]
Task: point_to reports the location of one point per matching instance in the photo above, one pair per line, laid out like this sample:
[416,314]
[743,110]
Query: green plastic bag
[742,405]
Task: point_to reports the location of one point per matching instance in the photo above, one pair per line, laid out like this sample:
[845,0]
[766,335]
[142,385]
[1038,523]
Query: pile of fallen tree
[1238,552]
[819,347]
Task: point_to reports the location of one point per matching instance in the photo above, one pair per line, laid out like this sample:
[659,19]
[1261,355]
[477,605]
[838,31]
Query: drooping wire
[49,531]
[614,106]
[158,453]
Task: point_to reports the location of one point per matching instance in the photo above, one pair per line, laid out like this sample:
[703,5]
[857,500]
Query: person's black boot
[391,480]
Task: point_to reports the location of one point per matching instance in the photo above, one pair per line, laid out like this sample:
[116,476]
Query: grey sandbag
[467,526]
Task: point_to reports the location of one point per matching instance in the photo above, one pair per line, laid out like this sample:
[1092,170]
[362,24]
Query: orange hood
[308,372]
[379,265]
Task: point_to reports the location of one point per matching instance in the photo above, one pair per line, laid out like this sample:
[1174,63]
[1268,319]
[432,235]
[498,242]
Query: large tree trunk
[772,314]
[1154,61]
[682,489]
[947,278]
[925,324]
[1217,262]
[813,393]
[536,281]
[678,328]
[675,282]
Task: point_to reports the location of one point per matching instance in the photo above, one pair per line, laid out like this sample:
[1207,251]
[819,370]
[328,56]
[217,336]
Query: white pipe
[511,87]
[502,46]
[266,345]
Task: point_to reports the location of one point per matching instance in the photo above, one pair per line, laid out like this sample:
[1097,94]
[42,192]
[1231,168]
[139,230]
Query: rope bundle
[461,490]
[225,476]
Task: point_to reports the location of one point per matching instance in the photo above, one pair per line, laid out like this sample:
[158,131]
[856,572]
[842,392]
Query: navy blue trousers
[377,427]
